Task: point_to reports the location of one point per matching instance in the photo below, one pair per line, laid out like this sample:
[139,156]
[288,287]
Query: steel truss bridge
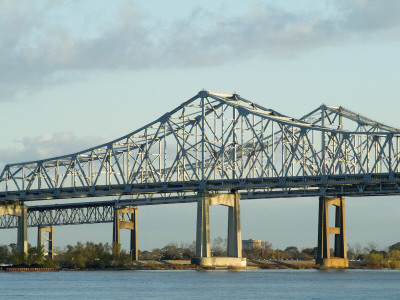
[213,142]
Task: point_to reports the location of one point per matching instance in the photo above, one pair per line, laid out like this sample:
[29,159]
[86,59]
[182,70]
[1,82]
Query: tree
[266,250]
[311,252]
[124,259]
[393,258]
[351,252]
[375,260]
[279,254]
[394,247]
[292,250]
[371,247]
[188,253]
[302,256]
[156,253]
[219,246]
[145,255]
[4,254]
[97,255]
[252,253]
[18,258]
[171,251]
[35,256]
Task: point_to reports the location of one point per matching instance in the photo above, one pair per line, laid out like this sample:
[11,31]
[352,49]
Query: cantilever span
[220,142]
[214,149]
[342,118]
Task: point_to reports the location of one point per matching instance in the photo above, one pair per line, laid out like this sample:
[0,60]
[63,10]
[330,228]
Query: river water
[190,284]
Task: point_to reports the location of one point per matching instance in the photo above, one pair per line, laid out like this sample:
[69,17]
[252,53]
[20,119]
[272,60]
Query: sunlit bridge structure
[212,149]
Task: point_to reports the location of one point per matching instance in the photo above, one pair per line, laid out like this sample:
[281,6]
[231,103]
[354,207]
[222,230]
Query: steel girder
[71,214]
[220,142]
[342,118]
[102,211]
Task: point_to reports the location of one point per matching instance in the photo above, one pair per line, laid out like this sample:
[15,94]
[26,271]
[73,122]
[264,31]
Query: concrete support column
[126,218]
[340,252]
[22,240]
[203,226]
[203,250]
[20,211]
[234,230]
[116,236]
[45,241]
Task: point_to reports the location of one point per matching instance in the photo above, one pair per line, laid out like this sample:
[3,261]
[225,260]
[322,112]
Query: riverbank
[186,265]
[251,265]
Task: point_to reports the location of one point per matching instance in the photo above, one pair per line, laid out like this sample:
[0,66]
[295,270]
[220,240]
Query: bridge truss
[220,142]
[68,214]
[71,214]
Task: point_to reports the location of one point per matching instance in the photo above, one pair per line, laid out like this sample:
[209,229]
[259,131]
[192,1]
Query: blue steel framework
[219,142]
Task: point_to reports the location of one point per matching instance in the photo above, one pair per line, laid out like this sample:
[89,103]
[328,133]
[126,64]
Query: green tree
[73,257]
[292,251]
[18,258]
[375,260]
[156,254]
[393,258]
[279,254]
[302,256]
[188,253]
[124,259]
[171,251]
[4,254]
[97,256]
[394,247]
[311,252]
[252,253]
[50,263]
[121,258]
[35,256]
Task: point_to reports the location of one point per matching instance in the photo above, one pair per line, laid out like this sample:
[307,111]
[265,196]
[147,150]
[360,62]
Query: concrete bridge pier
[126,218]
[339,259]
[20,211]
[203,250]
[45,241]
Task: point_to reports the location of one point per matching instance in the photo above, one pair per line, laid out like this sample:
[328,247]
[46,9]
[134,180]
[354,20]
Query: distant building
[251,244]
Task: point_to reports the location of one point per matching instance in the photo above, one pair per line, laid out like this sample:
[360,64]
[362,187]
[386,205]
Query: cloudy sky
[74,74]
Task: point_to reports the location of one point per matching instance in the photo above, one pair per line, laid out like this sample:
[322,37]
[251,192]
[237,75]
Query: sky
[75,74]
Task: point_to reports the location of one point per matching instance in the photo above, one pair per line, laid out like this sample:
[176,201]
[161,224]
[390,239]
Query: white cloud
[35,52]
[47,146]
[370,15]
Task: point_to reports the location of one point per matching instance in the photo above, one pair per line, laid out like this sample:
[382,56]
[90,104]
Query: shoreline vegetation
[91,256]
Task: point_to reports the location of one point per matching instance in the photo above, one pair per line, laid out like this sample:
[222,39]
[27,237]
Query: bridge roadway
[209,149]
[91,212]
[378,184]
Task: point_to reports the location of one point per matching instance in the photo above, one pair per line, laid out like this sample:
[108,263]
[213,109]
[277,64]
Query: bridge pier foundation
[20,211]
[126,218]
[45,241]
[203,249]
[339,259]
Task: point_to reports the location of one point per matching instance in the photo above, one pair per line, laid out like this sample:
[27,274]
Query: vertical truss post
[203,134]
[234,247]
[339,260]
[45,241]
[126,218]
[323,142]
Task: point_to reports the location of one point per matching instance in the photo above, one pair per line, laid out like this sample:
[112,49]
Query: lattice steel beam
[219,142]
[58,215]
